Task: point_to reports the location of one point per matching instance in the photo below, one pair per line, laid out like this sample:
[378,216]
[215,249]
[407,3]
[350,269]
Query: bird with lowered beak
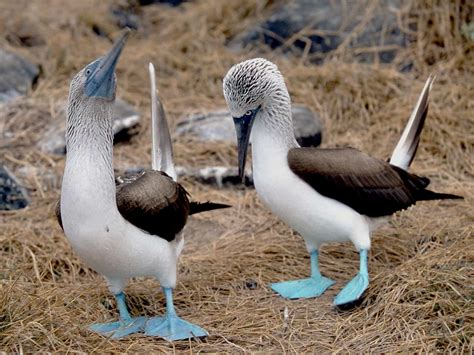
[327,195]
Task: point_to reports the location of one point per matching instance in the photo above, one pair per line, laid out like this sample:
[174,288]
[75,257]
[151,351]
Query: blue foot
[353,290]
[305,288]
[125,326]
[120,329]
[356,287]
[173,328]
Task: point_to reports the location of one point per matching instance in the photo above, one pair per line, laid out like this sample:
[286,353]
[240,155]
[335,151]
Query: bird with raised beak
[129,230]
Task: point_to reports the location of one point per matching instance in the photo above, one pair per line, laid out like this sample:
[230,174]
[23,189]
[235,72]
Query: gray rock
[220,176]
[17,75]
[325,24]
[12,195]
[125,118]
[219,126]
[126,17]
[307,126]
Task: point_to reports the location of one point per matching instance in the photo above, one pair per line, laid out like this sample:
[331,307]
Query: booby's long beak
[101,80]
[243,127]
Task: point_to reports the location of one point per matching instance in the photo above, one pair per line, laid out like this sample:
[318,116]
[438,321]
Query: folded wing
[154,203]
[151,201]
[370,186]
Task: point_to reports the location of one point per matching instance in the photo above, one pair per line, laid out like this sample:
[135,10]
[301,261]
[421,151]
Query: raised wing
[370,186]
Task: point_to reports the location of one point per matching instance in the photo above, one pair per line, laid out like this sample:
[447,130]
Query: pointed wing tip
[431,80]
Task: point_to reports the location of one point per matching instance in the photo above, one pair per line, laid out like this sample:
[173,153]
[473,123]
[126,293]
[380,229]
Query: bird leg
[313,286]
[171,327]
[356,287]
[125,326]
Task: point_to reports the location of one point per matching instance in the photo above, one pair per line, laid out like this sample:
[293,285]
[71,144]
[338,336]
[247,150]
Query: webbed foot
[171,328]
[121,328]
[356,287]
[305,288]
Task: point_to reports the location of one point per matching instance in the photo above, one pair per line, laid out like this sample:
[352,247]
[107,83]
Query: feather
[162,151]
[406,147]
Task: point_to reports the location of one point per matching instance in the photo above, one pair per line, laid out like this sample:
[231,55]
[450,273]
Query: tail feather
[406,147]
[427,195]
[198,207]
[162,151]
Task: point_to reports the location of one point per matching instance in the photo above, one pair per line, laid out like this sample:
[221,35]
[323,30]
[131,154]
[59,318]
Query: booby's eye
[248,113]
[88,72]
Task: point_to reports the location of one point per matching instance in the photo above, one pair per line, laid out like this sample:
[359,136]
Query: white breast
[102,237]
[317,218]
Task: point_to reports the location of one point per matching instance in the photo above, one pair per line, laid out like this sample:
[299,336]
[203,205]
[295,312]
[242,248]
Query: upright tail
[405,150]
[198,207]
[162,151]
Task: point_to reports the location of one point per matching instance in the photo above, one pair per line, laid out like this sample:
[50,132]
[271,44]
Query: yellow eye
[248,113]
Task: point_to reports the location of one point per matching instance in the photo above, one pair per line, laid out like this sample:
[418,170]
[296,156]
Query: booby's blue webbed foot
[313,286]
[305,288]
[121,328]
[356,287]
[125,326]
[171,327]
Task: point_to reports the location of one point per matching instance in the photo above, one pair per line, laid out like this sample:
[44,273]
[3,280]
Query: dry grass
[421,263]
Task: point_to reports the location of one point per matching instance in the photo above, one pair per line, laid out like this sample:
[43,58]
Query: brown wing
[155,203]
[151,201]
[370,186]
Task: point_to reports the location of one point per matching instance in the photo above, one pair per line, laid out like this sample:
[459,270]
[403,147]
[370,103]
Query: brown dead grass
[421,263]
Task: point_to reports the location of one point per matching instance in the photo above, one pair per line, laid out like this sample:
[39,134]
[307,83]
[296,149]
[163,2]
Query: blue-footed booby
[327,195]
[128,230]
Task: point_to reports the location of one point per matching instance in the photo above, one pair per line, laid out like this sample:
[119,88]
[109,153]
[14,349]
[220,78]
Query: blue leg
[171,327]
[125,326]
[305,288]
[356,287]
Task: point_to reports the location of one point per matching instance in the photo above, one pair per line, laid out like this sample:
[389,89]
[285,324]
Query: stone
[126,14]
[13,196]
[251,284]
[219,176]
[125,118]
[219,126]
[307,126]
[17,75]
[326,24]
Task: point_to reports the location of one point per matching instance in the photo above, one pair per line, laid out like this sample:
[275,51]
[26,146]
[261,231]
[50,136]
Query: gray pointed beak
[243,128]
[101,82]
